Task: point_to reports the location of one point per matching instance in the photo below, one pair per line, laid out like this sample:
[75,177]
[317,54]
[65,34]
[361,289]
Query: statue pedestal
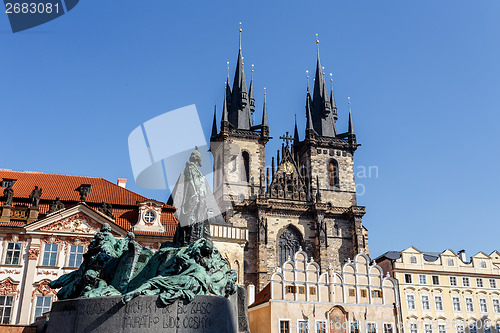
[32,215]
[142,314]
[5,217]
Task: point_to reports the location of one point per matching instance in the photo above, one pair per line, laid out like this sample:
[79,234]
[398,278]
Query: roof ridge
[47,173]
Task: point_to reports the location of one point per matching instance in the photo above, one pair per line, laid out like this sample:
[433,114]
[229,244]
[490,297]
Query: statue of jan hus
[196,206]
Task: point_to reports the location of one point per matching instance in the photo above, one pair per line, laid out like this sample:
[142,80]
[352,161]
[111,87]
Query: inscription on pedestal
[142,314]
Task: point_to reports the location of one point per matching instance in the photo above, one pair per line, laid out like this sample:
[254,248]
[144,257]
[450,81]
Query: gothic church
[305,199]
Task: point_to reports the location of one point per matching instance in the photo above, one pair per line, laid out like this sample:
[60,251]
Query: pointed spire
[214,124]
[296,133]
[332,99]
[309,125]
[228,86]
[265,124]
[224,112]
[321,108]
[251,99]
[239,110]
[351,126]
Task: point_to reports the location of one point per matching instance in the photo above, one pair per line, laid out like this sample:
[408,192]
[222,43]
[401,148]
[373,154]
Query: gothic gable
[287,181]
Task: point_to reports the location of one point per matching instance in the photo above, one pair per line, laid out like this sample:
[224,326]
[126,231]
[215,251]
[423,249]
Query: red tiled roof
[124,202]
[65,187]
[263,296]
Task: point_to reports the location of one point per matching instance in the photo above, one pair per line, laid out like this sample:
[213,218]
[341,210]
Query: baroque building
[305,199]
[48,220]
[444,292]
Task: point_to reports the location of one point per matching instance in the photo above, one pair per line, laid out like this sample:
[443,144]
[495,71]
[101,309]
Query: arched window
[336,230]
[413,259]
[483,264]
[288,244]
[333,173]
[245,167]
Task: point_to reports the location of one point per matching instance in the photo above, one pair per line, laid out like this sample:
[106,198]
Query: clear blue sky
[423,76]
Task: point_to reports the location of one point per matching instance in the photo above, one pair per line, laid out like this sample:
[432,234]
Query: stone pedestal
[142,314]
[32,215]
[5,217]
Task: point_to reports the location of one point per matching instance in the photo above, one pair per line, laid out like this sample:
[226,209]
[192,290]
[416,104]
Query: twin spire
[321,110]
[239,102]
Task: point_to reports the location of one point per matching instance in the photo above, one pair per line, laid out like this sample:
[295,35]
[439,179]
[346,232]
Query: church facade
[306,198]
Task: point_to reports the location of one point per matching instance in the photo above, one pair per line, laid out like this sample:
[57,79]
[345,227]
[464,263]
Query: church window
[290,289]
[302,290]
[363,293]
[288,244]
[245,167]
[352,292]
[312,291]
[336,230]
[376,293]
[333,173]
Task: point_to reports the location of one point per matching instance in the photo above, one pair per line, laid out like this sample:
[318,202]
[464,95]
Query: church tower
[325,157]
[305,199]
[238,149]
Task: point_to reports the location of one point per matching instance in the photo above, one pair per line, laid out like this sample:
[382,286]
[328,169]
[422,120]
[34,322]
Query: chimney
[122,182]
[461,255]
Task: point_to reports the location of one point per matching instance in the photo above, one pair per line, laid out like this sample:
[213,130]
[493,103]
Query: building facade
[46,224]
[302,297]
[445,293]
[306,198]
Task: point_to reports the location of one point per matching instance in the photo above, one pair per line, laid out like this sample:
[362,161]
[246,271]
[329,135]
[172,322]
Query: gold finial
[349,100]
[252,68]
[240,30]
[264,90]
[317,40]
[307,74]
[331,77]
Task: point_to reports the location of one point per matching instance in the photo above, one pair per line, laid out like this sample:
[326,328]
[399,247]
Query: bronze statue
[106,209]
[35,197]
[8,194]
[192,210]
[55,206]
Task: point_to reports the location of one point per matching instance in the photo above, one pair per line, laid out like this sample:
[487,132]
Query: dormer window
[149,217]
[413,259]
[8,183]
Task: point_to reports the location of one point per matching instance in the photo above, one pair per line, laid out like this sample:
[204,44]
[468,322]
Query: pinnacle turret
[214,124]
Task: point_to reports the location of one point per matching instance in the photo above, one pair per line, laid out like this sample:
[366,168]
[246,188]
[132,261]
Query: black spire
[322,114]
[351,126]
[296,133]
[214,124]
[265,125]
[239,111]
[332,102]
[251,100]
[228,87]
